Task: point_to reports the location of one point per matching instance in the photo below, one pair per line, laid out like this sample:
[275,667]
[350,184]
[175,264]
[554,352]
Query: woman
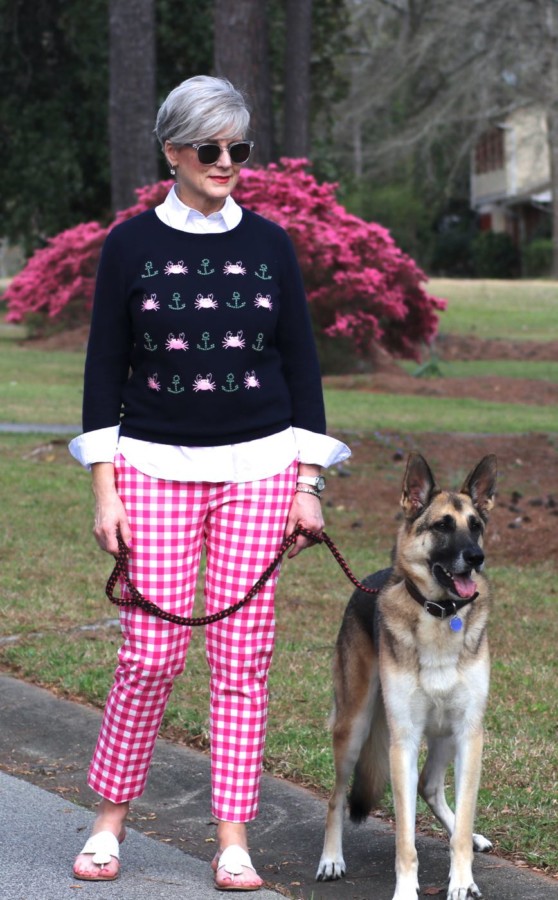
[204,430]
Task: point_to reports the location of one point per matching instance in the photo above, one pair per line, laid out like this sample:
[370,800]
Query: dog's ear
[480,484]
[419,486]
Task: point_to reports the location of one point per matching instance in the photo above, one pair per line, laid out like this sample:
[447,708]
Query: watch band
[315,481]
[307,490]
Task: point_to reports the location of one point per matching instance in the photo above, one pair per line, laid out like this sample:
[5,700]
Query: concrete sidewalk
[45,746]
[38,828]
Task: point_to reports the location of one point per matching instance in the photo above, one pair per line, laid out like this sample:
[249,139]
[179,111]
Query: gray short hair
[201,108]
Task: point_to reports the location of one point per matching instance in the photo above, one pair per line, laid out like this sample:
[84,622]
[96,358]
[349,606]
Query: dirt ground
[524,523]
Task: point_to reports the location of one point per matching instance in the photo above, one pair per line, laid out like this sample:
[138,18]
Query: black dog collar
[440,610]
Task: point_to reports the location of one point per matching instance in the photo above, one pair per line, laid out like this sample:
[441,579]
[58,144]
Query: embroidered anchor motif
[205,263]
[149,345]
[230,387]
[149,269]
[263,273]
[206,337]
[176,304]
[259,345]
[176,386]
[235,304]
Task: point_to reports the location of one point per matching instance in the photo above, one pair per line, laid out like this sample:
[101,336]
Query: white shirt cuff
[95,446]
[319,449]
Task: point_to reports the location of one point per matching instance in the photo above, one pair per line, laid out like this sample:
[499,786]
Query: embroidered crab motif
[176,268]
[153,382]
[234,268]
[263,302]
[205,302]
[234,340]
[250,380]
[177,343]
[150,303]
[204,384]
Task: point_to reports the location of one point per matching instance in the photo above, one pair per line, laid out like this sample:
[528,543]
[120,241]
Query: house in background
[510,176]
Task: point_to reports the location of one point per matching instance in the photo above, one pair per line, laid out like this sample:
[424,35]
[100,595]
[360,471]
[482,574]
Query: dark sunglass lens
[240,152]
[208,154]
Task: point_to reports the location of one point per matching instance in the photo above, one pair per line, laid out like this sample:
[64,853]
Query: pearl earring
[172,170]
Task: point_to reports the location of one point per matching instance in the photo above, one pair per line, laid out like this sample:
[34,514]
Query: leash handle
[120,572]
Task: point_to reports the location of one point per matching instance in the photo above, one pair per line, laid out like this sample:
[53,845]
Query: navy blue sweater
[200,340]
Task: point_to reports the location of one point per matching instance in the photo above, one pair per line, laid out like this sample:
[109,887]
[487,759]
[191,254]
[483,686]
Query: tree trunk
[550,18]
[552,122]
[241,55]
[296,142]
[133,152]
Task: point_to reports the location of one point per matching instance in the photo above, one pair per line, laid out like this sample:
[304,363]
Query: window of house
[489,151]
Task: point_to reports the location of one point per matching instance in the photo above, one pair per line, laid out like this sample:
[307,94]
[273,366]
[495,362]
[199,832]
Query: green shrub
[452,254]
[536,258]
[495,255]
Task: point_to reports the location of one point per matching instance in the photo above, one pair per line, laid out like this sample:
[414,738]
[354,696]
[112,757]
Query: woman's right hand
[110,515]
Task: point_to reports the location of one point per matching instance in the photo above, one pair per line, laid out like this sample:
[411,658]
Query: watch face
[320,483]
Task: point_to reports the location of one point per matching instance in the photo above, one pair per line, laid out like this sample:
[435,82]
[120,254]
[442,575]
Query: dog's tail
[372,769]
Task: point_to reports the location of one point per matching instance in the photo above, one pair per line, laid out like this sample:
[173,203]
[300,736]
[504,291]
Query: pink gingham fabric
[242,527]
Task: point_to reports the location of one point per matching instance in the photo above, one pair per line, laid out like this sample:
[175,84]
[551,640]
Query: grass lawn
[543,370]
[508,310]
[411,414]
[40,386]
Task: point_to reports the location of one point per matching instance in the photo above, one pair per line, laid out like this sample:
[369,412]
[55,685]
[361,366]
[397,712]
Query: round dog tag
[455,623]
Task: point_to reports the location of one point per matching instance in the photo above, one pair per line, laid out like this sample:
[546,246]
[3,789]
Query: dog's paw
[481,844]
[331,869]
[464,893]
[407,890]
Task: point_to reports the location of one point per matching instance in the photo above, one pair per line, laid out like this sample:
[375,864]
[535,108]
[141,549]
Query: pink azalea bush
[59,279]
[360,284]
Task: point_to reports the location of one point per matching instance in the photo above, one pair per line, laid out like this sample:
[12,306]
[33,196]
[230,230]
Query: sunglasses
[208,154]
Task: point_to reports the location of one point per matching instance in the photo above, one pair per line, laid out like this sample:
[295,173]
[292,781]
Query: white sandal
[103,846]
[233,860]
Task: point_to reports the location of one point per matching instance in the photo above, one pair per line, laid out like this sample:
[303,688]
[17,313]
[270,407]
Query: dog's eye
[475,525]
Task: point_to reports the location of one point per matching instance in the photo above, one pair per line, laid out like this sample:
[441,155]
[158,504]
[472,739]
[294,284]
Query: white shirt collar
[172,211]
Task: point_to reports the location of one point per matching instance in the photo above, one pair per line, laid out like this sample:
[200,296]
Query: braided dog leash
[120,571]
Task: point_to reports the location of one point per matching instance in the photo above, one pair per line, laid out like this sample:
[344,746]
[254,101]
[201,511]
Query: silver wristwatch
[317,482]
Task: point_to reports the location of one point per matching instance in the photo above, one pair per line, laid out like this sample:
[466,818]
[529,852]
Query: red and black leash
[120,572]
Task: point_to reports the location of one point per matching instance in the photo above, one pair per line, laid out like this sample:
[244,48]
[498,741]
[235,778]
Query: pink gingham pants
[242,527]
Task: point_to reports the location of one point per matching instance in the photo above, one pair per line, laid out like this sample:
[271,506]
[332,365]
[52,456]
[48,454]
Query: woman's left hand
[306,510]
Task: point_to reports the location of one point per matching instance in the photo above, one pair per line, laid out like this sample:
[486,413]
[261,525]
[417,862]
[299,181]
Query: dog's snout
[474,557]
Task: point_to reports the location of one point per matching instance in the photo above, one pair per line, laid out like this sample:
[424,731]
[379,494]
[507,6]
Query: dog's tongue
[464,586]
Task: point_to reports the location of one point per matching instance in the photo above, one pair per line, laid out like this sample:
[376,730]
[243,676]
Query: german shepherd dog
[413,662]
